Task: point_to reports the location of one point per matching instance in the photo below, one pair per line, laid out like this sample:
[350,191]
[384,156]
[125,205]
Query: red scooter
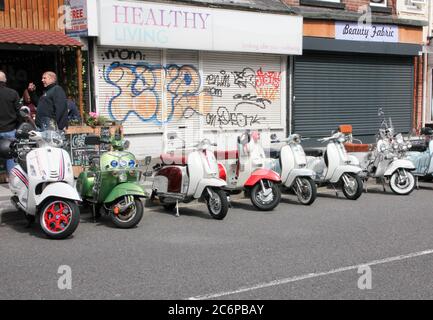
[245,170]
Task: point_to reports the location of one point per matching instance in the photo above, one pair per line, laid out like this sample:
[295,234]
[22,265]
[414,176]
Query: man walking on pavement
[52,105]
[9,108]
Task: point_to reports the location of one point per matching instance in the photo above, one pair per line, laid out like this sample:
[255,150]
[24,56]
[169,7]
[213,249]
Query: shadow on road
[17,222]
[187,211]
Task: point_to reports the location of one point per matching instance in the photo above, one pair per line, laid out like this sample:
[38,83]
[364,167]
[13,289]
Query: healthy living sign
[137,24]
[367,32]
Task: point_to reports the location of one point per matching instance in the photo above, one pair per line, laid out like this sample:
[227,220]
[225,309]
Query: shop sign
[157,25]
[366,32]
[76,18]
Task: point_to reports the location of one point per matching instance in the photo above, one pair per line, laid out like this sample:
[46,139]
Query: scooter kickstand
[417,182]
[177,209]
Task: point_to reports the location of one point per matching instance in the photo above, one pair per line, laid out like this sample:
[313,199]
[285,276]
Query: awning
[38,38]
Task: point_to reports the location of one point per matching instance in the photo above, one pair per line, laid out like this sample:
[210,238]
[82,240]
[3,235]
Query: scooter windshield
[52,138]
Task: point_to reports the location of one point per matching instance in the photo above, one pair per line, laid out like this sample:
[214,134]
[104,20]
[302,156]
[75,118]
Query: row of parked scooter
[43,185]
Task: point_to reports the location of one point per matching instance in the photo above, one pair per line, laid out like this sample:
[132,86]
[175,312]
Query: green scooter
[111,185]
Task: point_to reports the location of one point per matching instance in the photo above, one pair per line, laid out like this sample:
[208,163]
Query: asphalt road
[293,252]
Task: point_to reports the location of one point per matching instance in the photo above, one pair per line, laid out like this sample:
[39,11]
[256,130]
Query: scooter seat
[174,159]
[419,145]
[314,152]
[356,147]
[225,155]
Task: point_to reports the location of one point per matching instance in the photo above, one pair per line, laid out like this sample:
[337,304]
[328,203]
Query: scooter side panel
[298,173]
[212,182]
[338,172]
[19,184]
[196,172]
[169,179]
[287,162]
[125,189]
[399,164]
[262,174]
[58,190]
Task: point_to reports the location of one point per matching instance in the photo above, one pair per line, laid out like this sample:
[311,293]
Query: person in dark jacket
[51,106]
[9,108]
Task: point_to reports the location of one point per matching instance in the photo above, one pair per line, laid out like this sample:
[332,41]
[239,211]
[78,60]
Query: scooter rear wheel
[218,204]
[263,202]
[59,218]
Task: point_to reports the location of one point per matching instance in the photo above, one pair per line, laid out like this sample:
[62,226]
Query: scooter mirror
[147,160]
[126,144]
[92,140]
[25,112]
[23,130]
[380,112]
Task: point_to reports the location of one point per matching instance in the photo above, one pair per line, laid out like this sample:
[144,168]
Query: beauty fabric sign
[366,32]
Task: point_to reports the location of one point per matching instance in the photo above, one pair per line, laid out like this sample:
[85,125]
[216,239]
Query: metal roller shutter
[334,89]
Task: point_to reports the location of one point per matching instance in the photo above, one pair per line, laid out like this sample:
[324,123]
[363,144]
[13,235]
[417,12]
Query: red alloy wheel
[57,217]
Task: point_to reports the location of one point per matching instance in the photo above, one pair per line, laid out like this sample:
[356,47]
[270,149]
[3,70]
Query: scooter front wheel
[305,190]
[217,203]
[352,185]
[128,213]
[59,218]
[402,182]
[265,195]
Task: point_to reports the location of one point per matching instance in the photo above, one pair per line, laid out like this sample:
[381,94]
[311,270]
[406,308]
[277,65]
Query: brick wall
[351,5]
[418,93]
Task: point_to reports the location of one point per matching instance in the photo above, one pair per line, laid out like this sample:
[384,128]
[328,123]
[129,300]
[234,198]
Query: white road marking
[311,275]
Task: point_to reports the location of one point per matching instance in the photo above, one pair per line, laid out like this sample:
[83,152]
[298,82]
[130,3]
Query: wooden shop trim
[319,28]
[410,35]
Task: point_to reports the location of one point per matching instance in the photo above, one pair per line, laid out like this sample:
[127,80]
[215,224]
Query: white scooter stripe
[311,275]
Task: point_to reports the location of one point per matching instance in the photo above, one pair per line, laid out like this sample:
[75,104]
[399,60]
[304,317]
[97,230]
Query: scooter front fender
[58,190]
[344,169]
[262,174]
[204,183]
[399,164]
[125,189]
[298,173]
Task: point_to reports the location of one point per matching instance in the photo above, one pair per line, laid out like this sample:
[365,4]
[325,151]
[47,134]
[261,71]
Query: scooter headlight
[123,163]
[131,163]
[382,148]
[114,164]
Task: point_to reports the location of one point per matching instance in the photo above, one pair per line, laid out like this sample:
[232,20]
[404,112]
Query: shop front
[350,70]
[198,71]
[26,54]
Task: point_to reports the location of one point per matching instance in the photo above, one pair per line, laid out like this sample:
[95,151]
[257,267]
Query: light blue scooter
[422,159]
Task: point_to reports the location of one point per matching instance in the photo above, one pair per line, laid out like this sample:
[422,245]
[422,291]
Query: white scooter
[387,160]
[334,166]
[292,166]
[187,178]
[247,169]
[42,182]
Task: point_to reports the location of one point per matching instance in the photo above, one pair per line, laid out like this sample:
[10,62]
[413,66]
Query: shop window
[415,4]
[2,5]
[334,4]
[378,3]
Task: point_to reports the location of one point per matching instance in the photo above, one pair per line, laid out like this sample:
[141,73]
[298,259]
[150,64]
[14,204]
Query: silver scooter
[291,164]
[334,166]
